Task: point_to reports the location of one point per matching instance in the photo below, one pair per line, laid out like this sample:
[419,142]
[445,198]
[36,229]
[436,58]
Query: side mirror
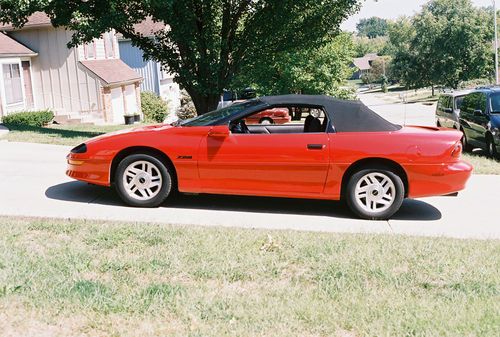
[448,110]
[478,113]
[219,131]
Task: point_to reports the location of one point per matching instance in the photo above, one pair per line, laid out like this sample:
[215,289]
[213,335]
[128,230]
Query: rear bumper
[436,180]
[94,171]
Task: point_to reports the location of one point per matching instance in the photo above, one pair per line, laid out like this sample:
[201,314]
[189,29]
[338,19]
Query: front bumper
[93,171]
[436,180]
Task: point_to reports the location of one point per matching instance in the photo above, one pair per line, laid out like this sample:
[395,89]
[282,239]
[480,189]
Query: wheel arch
[266,119]
[160,155]
[374,162]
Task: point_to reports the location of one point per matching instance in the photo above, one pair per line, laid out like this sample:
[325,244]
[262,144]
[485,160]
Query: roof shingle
[10,47]
[37,19]
[112,71]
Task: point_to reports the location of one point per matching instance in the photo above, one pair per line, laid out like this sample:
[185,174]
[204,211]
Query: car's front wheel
[266,121]
[375,194]
[143,181]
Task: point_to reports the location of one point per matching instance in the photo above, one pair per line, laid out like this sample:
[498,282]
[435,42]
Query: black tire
[465,145]
[160,193]
[491,150]
[397,193]
[267,121]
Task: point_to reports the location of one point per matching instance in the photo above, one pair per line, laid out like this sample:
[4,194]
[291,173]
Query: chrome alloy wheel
[142,180]
[375,192]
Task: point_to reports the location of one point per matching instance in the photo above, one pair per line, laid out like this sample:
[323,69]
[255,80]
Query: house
[88,83]
[363,65]
[156,78]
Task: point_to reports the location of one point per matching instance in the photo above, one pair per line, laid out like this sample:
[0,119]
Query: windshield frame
[224,115]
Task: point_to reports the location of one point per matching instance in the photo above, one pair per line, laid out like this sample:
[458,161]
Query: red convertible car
[339,150]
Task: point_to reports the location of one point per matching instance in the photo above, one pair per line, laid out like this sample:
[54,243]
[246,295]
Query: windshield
[495,103]
[214,116]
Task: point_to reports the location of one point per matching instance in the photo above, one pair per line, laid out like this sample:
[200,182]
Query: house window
[90,50]
[109,45]
[12,83]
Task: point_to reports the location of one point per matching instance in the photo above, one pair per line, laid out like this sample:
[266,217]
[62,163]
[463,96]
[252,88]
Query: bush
[187,109]
[29,118]
[153,107]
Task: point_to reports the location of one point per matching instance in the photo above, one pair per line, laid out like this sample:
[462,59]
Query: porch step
[68,120]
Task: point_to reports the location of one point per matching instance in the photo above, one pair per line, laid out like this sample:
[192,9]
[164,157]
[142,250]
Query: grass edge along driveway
[98,278]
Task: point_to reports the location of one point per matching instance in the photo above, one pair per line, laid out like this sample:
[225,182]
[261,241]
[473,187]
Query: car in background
[270,116]
[448,109]
[480,120]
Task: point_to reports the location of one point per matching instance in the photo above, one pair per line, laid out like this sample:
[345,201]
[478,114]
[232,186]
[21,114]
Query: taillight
[457,150]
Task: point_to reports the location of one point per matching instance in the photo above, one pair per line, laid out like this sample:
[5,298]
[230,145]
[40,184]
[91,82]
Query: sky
[392,9]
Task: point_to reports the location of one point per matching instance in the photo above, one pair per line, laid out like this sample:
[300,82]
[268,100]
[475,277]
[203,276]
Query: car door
[272,164]
[479,120]
[467,118]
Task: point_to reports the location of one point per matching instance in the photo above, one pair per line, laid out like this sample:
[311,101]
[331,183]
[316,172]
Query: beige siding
[100,51]
[59,81]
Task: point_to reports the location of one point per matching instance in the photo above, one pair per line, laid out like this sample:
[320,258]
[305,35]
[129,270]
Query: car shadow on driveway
[78,192]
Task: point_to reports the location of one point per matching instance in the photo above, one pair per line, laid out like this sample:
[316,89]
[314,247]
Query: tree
[207,41]
[318,70]
[372,27]
[381,68]
[364,45]
[447,43]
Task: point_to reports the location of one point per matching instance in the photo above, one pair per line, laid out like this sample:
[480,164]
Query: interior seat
[312,125]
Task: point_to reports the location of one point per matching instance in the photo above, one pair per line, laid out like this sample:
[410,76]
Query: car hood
[138,130]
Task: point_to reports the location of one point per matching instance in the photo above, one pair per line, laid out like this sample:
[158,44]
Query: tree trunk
[204,102]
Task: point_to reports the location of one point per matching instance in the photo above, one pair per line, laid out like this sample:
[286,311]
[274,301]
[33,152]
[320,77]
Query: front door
[28,86]
[273,164]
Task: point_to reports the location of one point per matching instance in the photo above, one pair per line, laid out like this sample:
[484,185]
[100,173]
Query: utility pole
[497,80]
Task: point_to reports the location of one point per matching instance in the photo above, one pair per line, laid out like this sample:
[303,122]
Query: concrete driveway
[32,183]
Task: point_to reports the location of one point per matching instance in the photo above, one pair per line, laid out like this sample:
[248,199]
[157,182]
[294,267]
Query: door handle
[316,146]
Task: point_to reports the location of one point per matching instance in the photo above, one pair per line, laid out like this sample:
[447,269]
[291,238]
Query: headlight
[82,148]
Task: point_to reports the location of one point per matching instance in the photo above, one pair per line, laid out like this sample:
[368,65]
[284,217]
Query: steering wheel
[240,127]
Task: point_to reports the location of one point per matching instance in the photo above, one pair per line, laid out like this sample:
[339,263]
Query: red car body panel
[281,165]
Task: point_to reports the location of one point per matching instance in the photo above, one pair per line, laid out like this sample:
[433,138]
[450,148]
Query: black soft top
[346,116]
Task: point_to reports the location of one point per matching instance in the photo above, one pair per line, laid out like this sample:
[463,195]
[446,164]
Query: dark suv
[480,120]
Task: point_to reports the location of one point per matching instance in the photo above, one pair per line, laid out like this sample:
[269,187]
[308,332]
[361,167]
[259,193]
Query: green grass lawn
[482,164]
[67,278]
[71,135]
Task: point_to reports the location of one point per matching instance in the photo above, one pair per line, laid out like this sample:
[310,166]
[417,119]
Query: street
[399,113]
[33,183]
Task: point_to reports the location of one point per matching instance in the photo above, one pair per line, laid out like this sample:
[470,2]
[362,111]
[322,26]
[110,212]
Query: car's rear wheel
[143,181]
[266,121]
[375,193]
[465,144]
[491,150]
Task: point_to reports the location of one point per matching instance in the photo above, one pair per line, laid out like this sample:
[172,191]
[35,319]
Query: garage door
[131,99]
[117,105]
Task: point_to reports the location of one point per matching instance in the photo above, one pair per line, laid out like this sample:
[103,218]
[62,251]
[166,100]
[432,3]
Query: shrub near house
[153,107]
[29,118]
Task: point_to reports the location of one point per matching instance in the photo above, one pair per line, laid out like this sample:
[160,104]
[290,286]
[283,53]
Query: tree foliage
[447,43]
[372,27]
[364,45]
[316,70]
[207,42]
